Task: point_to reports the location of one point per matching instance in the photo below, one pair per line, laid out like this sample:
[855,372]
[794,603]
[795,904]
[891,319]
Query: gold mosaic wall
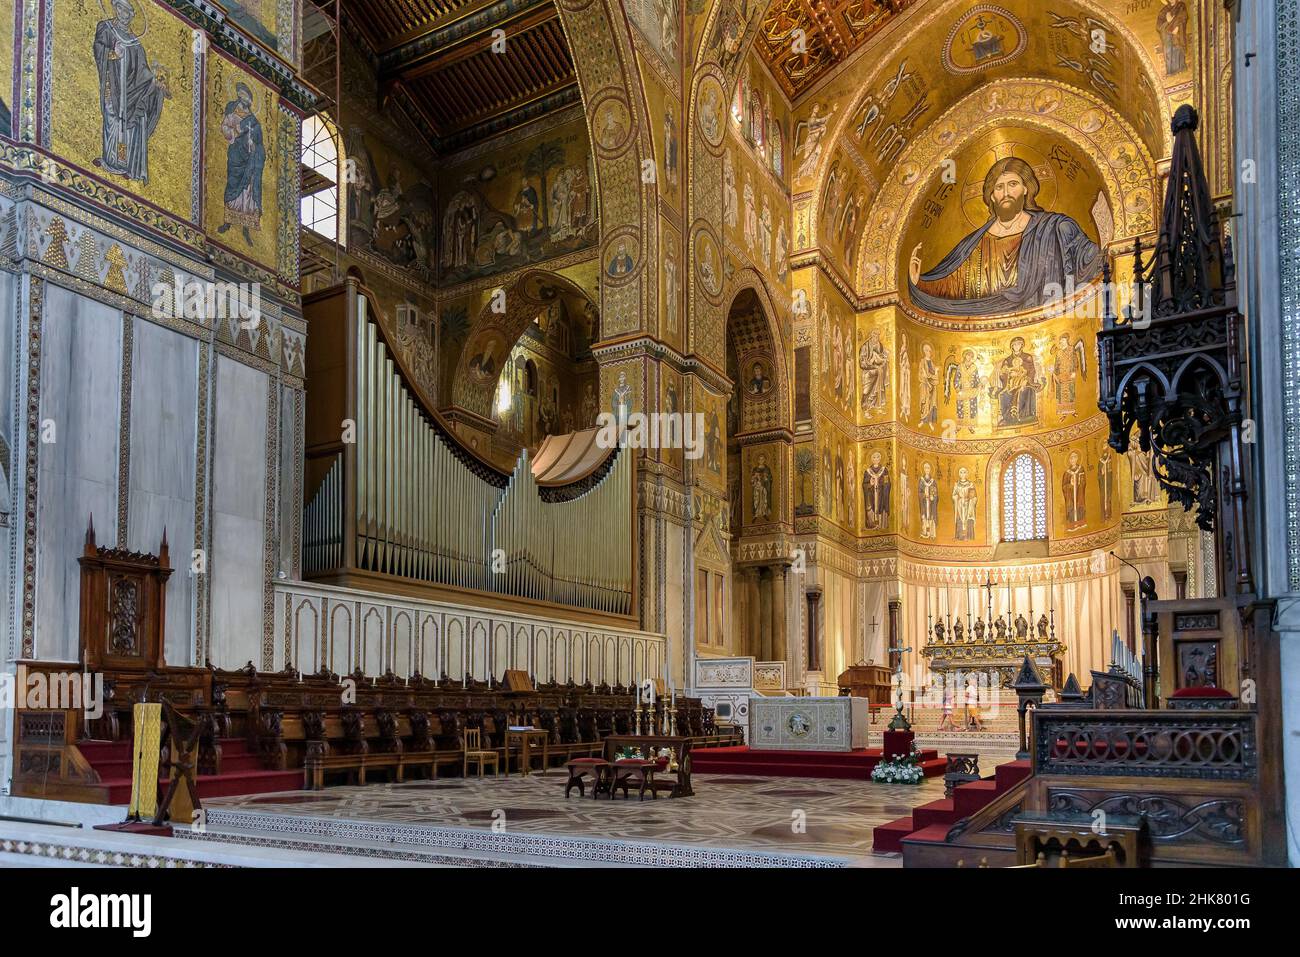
[102,70]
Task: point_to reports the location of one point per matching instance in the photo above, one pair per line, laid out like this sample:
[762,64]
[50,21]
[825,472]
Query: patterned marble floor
[800,817]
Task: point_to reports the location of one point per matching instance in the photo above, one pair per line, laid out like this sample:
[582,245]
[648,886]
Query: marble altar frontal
[808,724]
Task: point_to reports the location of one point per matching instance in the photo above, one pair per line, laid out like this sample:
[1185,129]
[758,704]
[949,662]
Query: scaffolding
[322,69]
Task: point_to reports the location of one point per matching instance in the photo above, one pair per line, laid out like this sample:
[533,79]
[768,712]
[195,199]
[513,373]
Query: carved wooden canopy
[1171,365]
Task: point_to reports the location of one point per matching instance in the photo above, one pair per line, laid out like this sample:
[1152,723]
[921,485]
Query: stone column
[765,614]
[753,627]
[779,608]
[814,597]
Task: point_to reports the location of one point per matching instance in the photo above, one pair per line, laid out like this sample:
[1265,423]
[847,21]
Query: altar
[996,648]
[808,724]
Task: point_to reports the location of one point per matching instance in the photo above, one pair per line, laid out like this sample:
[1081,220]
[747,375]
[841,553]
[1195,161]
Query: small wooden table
[680,746]
[524,739]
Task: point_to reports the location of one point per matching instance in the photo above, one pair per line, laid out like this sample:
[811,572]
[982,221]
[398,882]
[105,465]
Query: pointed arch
[598,34]
[758,326]
[493,333]
[324,162]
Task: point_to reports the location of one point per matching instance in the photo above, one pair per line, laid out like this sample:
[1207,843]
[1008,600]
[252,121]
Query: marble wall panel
[163,440]
[239,476]
[81,360]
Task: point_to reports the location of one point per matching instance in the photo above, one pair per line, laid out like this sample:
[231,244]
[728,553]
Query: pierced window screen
[1024,499]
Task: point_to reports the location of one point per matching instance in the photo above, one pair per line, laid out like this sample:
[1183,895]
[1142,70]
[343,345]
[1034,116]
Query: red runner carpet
[930,822]
[852,765]
[241,772]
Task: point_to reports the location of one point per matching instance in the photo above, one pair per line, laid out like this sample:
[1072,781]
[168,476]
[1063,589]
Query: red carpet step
[850,765]
[241,772]
[932,821]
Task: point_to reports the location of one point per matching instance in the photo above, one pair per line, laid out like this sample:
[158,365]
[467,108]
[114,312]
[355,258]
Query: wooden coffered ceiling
[438,53]
[832,29]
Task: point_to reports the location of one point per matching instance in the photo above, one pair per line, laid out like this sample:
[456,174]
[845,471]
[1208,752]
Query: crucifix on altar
[988,587]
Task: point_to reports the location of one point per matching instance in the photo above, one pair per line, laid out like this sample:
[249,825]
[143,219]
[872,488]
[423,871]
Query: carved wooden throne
[122,606]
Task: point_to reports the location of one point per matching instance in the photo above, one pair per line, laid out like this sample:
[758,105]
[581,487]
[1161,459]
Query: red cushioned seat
[1202,693]
[588,761]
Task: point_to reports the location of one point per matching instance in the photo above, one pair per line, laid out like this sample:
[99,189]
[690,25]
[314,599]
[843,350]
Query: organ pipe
[426,510]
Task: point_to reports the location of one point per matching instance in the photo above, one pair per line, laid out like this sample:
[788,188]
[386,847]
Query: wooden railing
[1218,745]
[1194,776]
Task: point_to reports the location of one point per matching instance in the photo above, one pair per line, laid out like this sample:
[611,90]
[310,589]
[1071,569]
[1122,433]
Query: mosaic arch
[1096,185]
[901,101]
[727,31]
[617,120]
[754,331]
[493,334]
[760,490]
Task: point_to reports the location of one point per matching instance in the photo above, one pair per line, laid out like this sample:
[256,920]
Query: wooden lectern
[866,681]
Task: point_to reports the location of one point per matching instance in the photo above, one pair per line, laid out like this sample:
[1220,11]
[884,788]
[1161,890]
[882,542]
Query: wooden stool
[633,770]
[578,768]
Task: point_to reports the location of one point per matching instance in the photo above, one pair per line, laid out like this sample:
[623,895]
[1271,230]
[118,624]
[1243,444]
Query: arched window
[1024,499]
[322,164]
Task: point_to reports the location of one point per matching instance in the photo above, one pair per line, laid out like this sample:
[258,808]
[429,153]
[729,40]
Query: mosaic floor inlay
[769,815]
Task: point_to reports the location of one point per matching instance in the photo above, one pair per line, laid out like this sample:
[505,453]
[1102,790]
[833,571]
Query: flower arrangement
[900,770]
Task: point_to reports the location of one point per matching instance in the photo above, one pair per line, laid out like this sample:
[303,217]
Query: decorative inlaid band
[270,520]
[203,414]
[124,431]
[1287,91]
[35,313]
